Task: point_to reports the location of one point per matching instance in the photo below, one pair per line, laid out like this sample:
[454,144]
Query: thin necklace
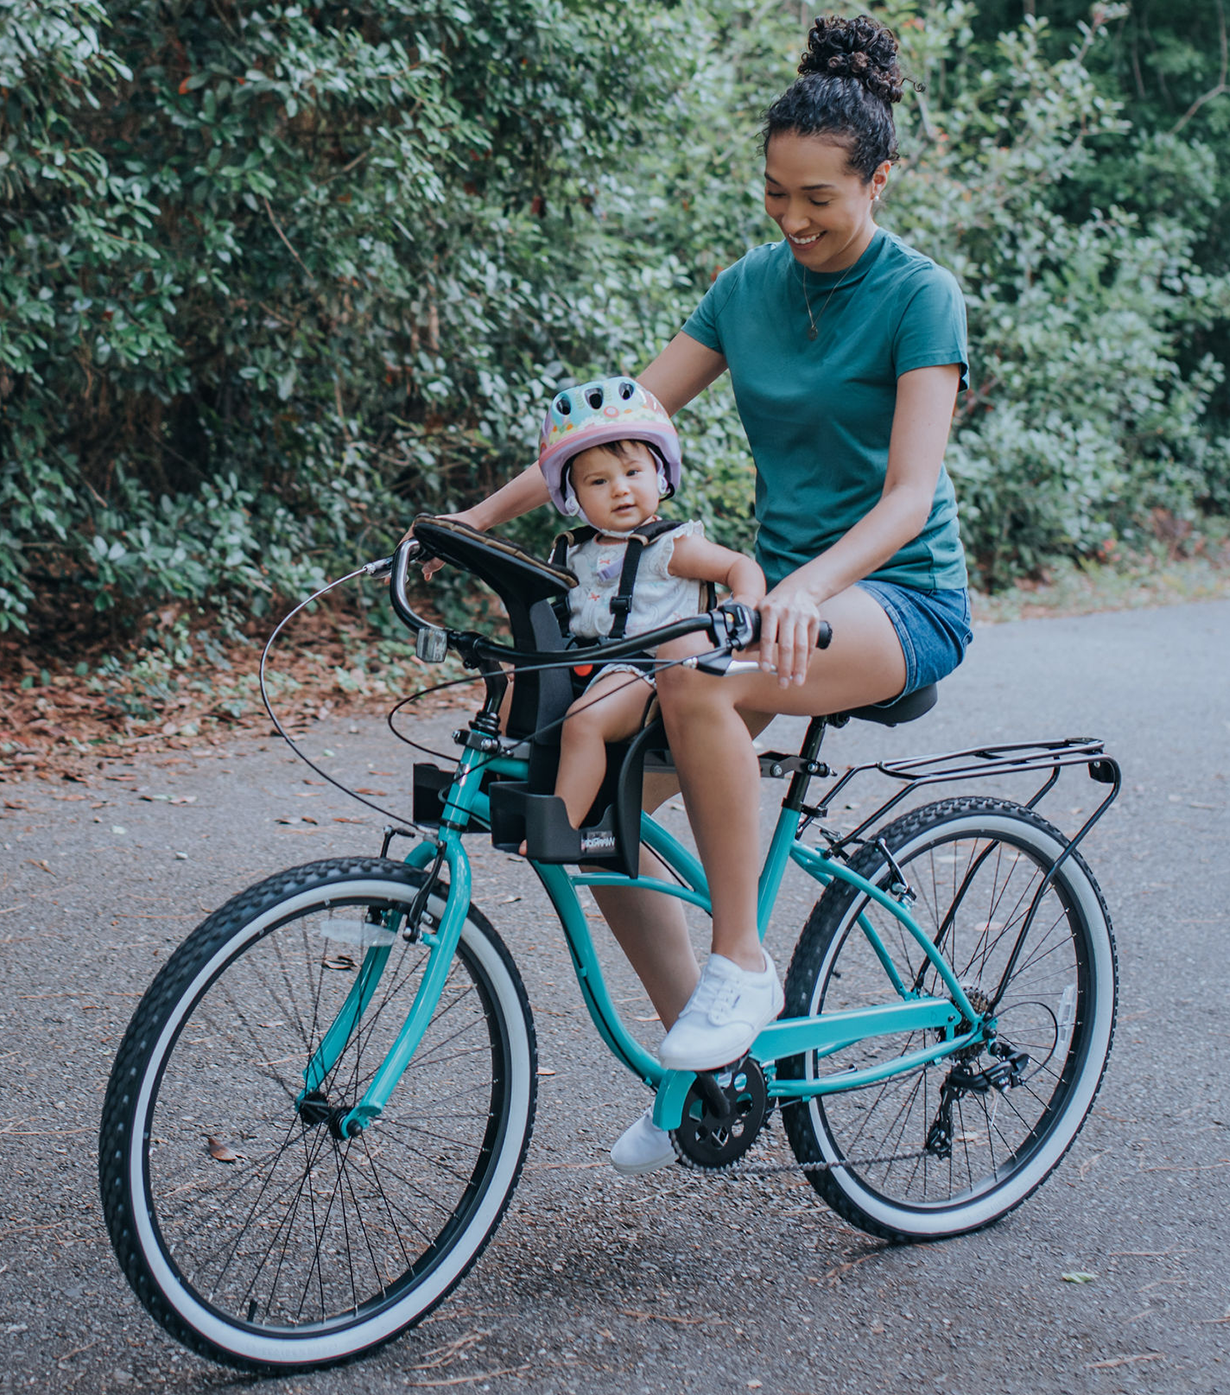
[813,324]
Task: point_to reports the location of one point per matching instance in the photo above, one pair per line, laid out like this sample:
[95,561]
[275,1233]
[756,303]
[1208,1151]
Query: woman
[846,350]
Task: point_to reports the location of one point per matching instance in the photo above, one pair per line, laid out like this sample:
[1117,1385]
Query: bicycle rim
[275,1242]
[976,867]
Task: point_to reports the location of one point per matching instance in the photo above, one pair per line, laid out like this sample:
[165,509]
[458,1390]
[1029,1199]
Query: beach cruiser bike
[321,1107]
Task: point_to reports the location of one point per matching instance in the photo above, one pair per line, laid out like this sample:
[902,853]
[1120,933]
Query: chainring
[711,1140]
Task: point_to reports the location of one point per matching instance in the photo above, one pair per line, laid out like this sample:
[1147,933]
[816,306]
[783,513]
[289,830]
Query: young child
[609,454]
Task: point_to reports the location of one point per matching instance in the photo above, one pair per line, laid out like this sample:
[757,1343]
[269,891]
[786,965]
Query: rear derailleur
[1005,1074]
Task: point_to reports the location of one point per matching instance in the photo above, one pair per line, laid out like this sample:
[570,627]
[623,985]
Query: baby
[609,454]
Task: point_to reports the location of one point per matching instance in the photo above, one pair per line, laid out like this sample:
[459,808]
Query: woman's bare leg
[716,761]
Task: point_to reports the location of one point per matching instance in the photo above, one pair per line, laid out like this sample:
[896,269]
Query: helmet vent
[563,404]
[626,389]
[595,397]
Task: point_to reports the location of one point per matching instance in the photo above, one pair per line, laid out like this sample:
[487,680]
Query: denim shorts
[933,627]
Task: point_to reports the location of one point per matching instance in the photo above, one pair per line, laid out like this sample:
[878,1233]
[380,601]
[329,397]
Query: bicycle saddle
[902,709]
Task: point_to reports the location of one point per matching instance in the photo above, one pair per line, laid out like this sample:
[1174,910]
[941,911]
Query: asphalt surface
[675,1282]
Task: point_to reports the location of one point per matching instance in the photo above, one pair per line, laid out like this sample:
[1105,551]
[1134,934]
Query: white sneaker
[642,1148]
[723,1017]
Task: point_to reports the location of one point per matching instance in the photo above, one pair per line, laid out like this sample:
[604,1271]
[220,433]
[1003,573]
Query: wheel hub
[315,1109]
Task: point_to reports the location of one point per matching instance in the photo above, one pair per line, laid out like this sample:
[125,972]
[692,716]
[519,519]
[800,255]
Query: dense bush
[274,276]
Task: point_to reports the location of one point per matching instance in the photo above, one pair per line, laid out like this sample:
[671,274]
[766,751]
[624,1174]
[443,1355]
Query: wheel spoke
[979,870]
[281,1226]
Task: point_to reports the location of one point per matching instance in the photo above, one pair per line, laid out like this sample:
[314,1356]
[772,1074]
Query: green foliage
[1087,411]
[274,277]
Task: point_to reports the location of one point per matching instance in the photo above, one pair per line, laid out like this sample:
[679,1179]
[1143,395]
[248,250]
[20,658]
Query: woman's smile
[821,205]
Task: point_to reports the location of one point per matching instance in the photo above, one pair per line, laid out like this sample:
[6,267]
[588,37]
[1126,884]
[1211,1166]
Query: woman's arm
[681,371]
[790,614]
[701,560]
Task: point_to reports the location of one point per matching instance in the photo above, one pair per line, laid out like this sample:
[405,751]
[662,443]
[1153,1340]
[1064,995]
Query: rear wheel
[249,1227]
[961,1142]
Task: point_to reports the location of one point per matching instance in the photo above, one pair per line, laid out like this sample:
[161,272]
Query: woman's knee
[688,691]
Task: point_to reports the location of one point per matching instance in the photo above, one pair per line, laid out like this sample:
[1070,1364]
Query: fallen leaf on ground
[219,1151]
[1078,1276]
[1114,1361]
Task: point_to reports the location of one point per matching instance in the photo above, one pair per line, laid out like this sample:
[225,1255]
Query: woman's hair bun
[862,48]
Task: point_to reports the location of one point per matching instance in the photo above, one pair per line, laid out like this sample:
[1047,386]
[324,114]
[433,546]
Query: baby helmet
[609,409]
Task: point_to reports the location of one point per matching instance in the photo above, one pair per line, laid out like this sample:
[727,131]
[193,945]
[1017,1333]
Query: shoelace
[714,997]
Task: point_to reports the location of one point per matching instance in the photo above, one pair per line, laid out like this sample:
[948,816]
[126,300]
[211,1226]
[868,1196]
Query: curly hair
[848,80]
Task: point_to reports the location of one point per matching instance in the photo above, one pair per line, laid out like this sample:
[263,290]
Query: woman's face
[820,204]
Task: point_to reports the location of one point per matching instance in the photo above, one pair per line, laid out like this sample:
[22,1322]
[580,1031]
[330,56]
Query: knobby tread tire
[828,919]
[143,1030]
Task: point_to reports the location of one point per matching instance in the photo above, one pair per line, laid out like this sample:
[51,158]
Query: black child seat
[528,811]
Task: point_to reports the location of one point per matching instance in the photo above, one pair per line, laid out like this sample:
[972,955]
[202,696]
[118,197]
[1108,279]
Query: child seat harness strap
[621,602]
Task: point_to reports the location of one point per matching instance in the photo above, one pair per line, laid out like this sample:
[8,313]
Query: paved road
[675,1282]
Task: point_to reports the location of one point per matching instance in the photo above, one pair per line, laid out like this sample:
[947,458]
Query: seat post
[809,767]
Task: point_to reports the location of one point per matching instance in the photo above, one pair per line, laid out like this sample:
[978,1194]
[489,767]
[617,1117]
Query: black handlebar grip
[824,636]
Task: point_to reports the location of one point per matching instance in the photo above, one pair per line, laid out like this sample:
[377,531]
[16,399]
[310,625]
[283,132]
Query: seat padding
[510,571]
[903,709]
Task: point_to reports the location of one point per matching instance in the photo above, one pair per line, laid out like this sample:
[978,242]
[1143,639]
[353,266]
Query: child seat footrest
[540,821]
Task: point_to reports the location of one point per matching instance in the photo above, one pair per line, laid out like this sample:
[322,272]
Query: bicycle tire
[254,1233]
[977,862]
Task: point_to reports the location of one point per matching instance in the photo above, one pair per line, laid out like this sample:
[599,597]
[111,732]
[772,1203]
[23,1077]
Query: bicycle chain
[737,1169]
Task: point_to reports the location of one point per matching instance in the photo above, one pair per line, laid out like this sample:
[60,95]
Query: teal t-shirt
[818,413]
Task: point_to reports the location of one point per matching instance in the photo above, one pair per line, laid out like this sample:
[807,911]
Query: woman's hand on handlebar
[789,631]
[433,565]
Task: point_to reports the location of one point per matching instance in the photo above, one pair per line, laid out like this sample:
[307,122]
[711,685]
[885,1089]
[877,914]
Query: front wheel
[246,1223]
[951,1147]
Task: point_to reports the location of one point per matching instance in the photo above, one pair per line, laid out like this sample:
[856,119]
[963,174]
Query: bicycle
[322,1105]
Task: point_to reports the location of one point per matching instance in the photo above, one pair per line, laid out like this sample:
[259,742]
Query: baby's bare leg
[610,709]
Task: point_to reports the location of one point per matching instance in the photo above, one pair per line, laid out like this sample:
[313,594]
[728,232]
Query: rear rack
[977,762]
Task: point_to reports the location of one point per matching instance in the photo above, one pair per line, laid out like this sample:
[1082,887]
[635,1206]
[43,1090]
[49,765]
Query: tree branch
[1221,78]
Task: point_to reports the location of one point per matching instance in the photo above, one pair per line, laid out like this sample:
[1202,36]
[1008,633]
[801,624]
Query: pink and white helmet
[609,409]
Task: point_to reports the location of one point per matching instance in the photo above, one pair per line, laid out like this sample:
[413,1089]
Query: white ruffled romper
[658,598]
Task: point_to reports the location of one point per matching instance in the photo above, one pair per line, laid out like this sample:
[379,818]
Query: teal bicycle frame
[466,804]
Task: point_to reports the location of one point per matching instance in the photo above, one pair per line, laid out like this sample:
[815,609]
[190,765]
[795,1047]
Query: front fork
[442,945]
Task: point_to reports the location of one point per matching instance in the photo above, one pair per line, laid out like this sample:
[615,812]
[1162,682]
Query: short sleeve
[703,324]
[664,549]
[931,329]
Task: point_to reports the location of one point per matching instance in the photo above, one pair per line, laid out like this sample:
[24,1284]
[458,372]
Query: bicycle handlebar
[730,625]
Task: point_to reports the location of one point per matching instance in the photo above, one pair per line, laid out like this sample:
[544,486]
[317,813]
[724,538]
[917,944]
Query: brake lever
[721,663]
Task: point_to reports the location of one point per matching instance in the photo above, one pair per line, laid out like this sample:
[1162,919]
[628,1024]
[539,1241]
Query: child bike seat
[526,586]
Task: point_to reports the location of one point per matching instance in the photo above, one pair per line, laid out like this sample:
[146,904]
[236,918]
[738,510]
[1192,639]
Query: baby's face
[616,491]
